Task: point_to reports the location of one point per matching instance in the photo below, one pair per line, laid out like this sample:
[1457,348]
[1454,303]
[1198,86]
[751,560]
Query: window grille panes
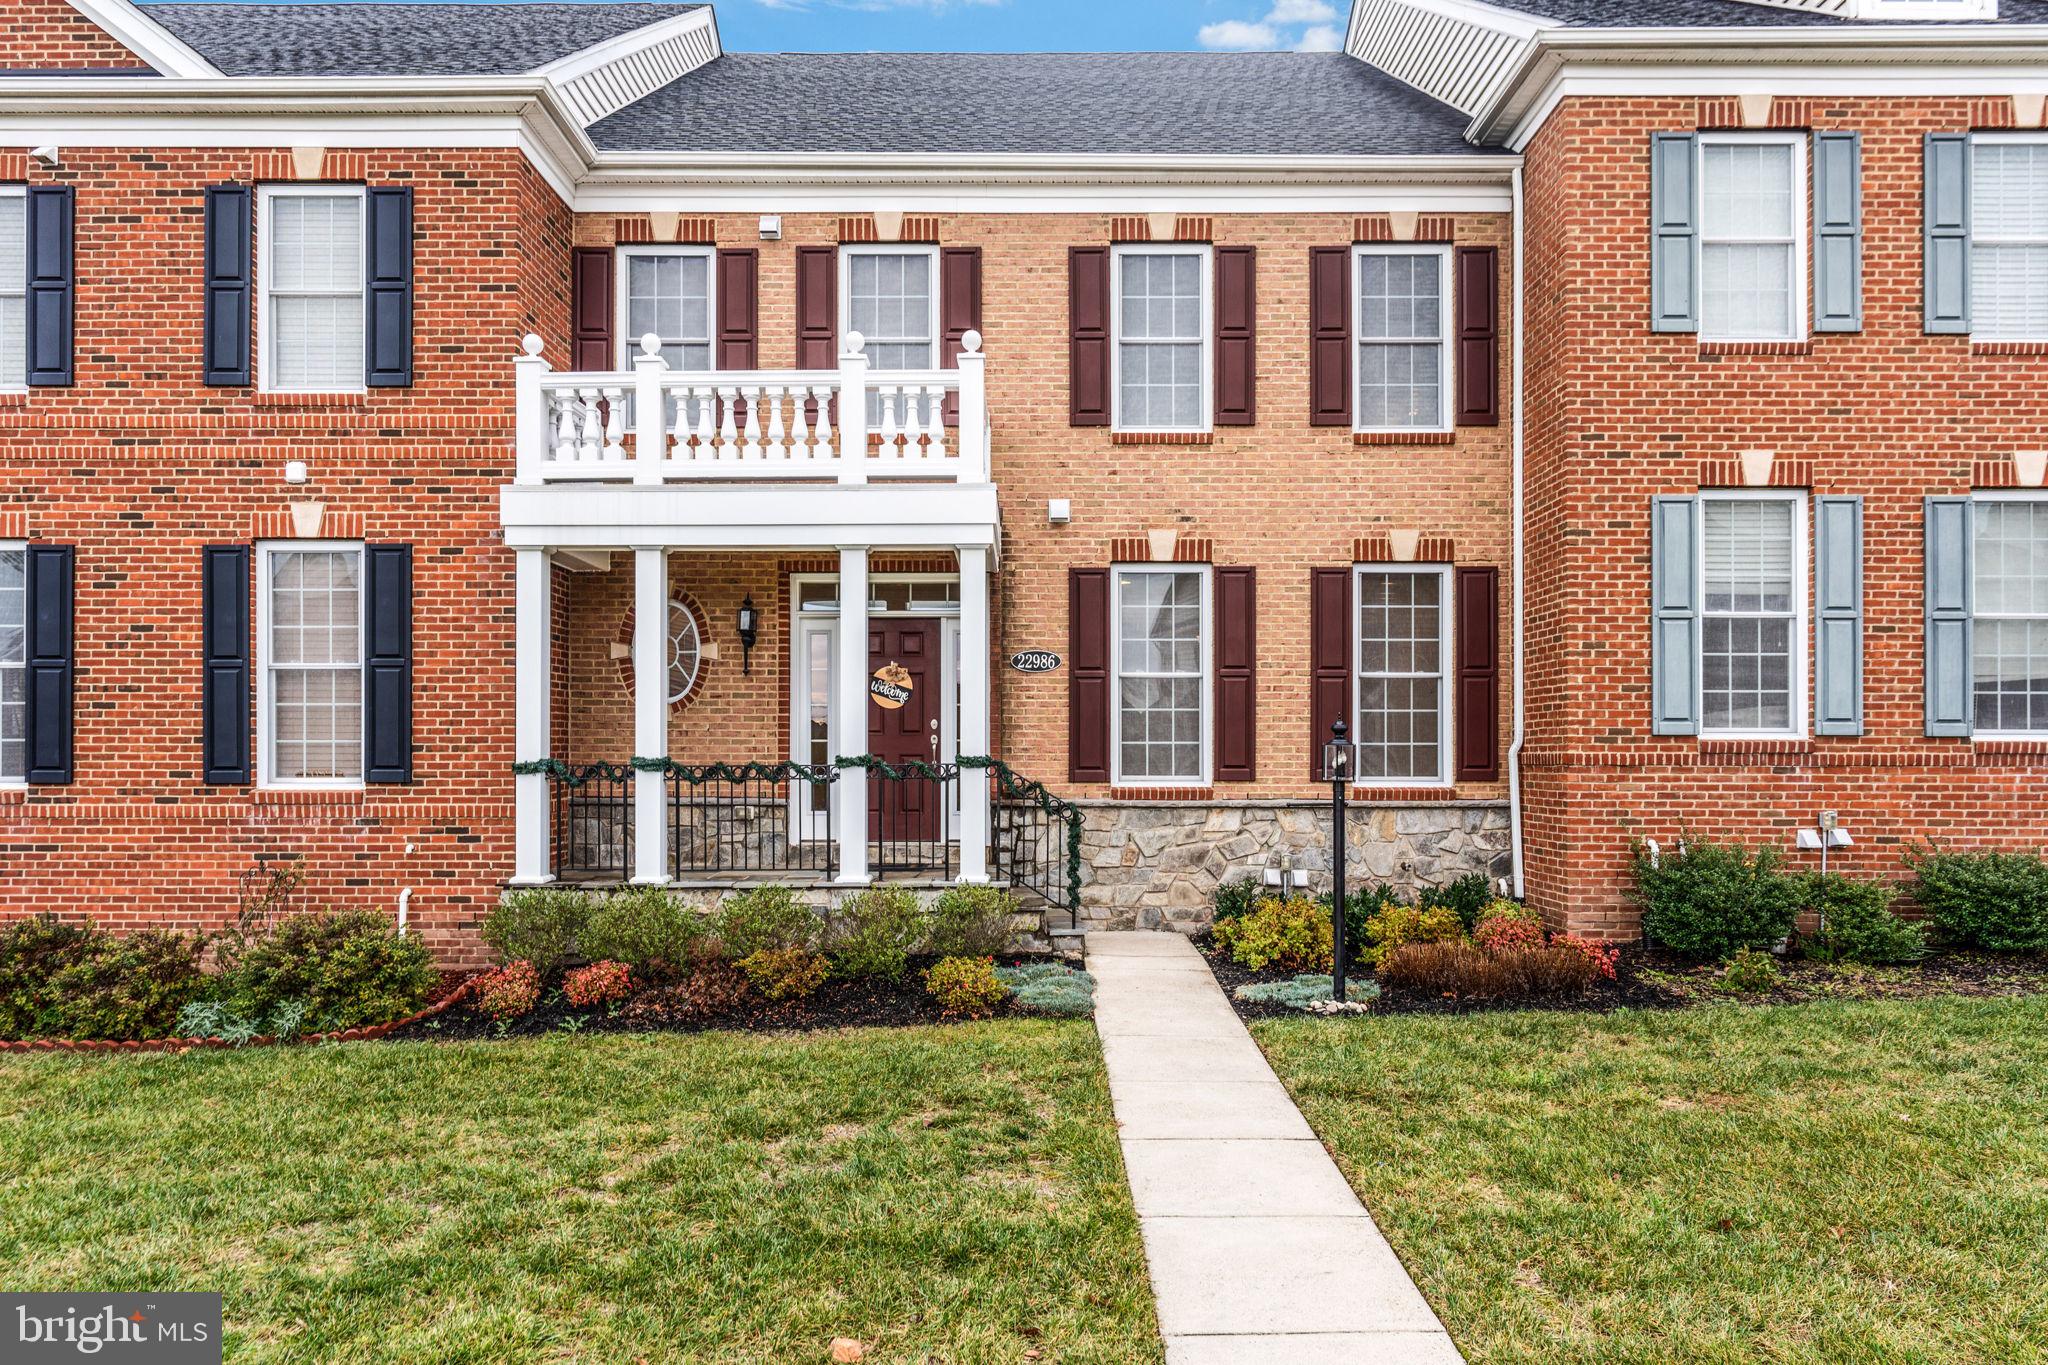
[684,651]
[1159,676]
[1401,661]
[13,665]
[670,296]
[889,302]
[13,289]
[1748,256]
[2009,240]
[1400,340]
[1159,341]
[1749,622]
[2011,630]
[315,284]
[316,665]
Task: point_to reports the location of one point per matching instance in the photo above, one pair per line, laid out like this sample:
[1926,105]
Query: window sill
[1126,793]
[2010,746]
[2008,347]
[1805,347]
[1162,438]
[1734,745]
[1403,438]
[1433,793]
[308,796]
[266,398]
[13,398]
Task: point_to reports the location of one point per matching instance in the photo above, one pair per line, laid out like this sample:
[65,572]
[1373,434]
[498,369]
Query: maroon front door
[903,724]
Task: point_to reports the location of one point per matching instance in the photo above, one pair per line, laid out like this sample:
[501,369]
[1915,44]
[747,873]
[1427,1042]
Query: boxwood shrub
[1997,901]
[1705,900]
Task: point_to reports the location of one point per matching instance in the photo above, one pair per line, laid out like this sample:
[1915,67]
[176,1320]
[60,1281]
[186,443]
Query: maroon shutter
[1088,336]
[959,311]
[1478,697]
[1088,675]
[739,274]
[1329,338]
[590,311]
[1329,655]
[1475,283]
[817,308]
[1237,646]
[1236,336]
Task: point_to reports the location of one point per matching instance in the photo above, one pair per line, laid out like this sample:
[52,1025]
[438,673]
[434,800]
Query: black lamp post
[1337,767]
[750,631]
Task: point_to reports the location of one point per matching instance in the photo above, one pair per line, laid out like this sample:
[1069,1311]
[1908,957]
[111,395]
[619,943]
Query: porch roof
[750,517]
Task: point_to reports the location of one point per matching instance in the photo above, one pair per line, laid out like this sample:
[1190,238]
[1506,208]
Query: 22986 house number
[1034,661]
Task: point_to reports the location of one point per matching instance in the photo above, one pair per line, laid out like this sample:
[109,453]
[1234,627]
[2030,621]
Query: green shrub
[1298,993]
[1394,925]
[874,931]
[1237,897]
[644,927]
[32,952]
[970,921]
[965,987]
[351,968]
[1361,905]
[127,988]
[542,925]
[1468,896]
[766,917]
[785,973]
[1750,972]
[1050,988]
[1857,923]
[1997,901]
[1705,900]
[1293,934]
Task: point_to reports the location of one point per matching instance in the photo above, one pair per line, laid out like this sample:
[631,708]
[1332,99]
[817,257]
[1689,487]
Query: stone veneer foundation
[1156,864]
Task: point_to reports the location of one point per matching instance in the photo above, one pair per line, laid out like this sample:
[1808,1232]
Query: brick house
[474,445]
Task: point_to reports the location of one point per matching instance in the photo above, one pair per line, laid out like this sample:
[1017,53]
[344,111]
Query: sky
[1030,25]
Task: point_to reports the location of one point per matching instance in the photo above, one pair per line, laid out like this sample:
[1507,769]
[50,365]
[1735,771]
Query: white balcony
[652,425]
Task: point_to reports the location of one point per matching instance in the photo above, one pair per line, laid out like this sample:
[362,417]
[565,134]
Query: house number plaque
[1034,661]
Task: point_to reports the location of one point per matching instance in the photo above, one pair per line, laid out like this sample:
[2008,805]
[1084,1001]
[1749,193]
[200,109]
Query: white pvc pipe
[1521,611]
[404,905]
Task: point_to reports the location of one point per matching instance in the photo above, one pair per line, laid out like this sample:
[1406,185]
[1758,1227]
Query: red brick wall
[1618,414]
[49,34]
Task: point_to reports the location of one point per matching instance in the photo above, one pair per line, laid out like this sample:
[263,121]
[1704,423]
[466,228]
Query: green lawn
[944,1195]
[1828,1182]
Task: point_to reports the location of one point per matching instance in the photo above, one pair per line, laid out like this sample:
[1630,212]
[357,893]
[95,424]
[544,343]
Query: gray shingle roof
[1136,103]
[1718,13]
[398,39]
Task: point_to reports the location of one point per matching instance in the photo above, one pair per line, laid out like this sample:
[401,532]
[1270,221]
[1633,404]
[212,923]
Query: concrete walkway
[1259,1251]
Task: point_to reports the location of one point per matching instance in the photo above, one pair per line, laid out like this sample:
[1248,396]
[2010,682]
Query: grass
[944,1195]
[1839,1182]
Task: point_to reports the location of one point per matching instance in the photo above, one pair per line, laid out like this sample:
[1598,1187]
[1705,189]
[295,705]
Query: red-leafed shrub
[508,992]
[1499,934]
[1462,972]
[1603,956]
[601,983]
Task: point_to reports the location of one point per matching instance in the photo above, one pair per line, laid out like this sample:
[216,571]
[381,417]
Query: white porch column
[532,673]
[974,707]
[851,818]
[650,713]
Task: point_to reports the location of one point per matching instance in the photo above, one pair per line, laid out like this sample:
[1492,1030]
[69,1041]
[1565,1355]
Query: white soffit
[145,37]
[606,78]
[1451,50]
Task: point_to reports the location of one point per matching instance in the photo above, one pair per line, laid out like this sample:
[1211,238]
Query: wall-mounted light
[750,631]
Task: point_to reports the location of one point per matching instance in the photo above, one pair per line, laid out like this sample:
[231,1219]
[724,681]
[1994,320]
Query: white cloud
[1301,12]
[1235,35]
[1299,25]
[1321,38]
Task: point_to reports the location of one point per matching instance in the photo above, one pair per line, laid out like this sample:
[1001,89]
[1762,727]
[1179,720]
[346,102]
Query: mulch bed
[1650,978]
[836,1004]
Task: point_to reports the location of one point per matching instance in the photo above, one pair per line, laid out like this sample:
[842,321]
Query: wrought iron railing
[736,819]
[592,821]
[1034,838]
[910,816]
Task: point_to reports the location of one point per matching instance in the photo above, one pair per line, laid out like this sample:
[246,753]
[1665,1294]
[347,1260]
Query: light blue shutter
[1949,684]
[1838,616]
[1837,232]
[1674,224]
[1675,612]
[1945,265]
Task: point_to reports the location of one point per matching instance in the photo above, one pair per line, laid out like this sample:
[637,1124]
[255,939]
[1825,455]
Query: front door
[903,724]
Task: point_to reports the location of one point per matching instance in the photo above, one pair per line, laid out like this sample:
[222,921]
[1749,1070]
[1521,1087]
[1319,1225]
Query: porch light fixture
[750,631]
[1339,755]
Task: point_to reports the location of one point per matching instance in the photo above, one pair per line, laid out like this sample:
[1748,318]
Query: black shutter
[1088,675]
[387,664]
[1237,687]
[51,290]
[52,644]
[228,235]
[1478,682]
[1329,656]
[388,326]
[224,635]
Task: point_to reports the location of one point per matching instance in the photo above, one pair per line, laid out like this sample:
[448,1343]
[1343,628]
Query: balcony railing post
[973,411]
[530,423]
[853,410]
[650,412]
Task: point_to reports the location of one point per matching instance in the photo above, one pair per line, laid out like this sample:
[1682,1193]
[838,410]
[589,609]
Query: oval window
[685,651]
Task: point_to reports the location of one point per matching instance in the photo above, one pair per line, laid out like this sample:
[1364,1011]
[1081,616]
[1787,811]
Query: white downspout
[1515,385]
[404,907]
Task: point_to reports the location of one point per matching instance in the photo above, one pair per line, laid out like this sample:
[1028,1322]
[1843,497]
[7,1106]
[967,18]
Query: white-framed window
[685,650]
[1159,663]
[309,631]
[666,290]
[2009,237]
[309,265]
[1752,238]
[890,295]
[13,662]
[13,287]
[1403,683]
[1160,310]
[2009,634]
[1753,614]
[1401,320]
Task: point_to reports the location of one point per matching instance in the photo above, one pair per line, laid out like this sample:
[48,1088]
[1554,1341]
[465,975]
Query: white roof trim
[604,79]
[145,37]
